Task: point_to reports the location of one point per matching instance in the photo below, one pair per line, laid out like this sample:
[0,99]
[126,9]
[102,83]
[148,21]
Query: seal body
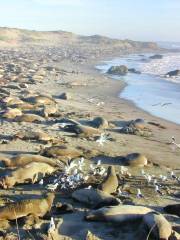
[36,207]
[118,214]
[159,226]
[31,172]
[110,183]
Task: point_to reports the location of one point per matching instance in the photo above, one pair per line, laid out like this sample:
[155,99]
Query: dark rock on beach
[118,70]
[156,56]
[174,73]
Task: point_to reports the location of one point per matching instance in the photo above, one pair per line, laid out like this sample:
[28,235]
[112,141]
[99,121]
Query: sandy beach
[91,94]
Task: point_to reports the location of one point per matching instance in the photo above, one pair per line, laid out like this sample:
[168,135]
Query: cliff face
[95,45]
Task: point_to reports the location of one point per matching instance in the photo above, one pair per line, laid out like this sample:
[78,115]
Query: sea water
[151,90]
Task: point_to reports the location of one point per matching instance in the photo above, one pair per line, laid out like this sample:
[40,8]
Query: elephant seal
[100,123]
[85,131]
[156,223]
[33,135]
[40,100]
[30,118]
[94,197]
[31,172]
[136,160]
[37,207]
[110,183]
[138,124]
[49,110]
[61,152]
[11,113]
[23,159]
[118,214]
[11,101]
[25,106]
[173,209]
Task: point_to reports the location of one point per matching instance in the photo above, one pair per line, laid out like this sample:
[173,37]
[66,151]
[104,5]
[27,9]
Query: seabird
[139,194]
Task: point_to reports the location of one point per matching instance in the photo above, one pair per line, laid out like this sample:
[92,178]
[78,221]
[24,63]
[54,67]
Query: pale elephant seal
[110,183]
[156,223]
[118,214]
[94,197]
[136,160]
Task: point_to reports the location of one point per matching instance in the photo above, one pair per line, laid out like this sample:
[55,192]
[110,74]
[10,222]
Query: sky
[146,20]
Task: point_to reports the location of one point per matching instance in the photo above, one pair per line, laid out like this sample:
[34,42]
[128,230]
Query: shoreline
[131,101]
[160,153]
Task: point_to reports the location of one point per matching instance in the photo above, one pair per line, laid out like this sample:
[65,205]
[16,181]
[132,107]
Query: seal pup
[23,159]
[118,214]
[156,223]
[37,207]
[110,183]
[31,172]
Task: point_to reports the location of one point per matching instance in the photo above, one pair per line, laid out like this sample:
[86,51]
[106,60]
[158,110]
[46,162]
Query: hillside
[11,37]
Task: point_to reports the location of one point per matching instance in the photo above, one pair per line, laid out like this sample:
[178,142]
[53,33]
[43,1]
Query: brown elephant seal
[37,207]
[85,131]
[11,101]
[173,209]
[61,152]
[30,118]
[110,183]
[94,197]
[49,110]
[12,113]
[25,106]
[40,100]
[23,159]
[136,160]
[33,135]
[100,123]
[31,172]
[156,223]
[118,214]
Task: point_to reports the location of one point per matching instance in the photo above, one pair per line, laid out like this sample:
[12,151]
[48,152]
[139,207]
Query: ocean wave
[160,67]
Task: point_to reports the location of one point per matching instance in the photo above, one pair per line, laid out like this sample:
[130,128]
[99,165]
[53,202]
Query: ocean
[151,90]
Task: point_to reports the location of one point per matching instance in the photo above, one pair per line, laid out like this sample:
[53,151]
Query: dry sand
[90,84]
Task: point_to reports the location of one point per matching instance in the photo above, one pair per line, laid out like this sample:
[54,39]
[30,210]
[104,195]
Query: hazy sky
[133,19]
